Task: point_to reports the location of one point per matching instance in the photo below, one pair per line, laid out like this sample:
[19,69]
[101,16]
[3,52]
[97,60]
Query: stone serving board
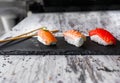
[32,46]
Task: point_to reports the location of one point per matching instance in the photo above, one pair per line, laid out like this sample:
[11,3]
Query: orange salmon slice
[46,36]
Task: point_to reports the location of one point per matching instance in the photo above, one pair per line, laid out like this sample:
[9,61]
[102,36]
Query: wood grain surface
[61,68]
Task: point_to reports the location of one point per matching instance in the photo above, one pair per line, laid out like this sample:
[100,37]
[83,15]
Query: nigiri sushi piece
[102,37]
[46,37]
[74,37]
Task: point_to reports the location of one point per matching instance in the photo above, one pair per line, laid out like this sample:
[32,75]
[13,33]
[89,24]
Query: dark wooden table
[61,68]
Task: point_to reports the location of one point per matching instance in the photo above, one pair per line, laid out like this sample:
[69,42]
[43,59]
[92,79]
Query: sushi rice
[99,40]
[77,42]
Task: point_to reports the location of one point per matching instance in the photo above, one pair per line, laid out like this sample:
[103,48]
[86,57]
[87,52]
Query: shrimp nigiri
[74,37]
[46,37]
[102,36]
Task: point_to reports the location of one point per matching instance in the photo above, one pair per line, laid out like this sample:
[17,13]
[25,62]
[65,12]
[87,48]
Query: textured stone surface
[61,68]
[32,46]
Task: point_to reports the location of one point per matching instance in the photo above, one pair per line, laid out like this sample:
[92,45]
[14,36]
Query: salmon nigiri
[46,37]
[102,36]
[74,37]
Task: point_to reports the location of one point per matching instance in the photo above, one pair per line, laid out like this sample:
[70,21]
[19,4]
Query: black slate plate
[32,46]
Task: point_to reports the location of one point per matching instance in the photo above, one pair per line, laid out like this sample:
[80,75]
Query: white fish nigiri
[74,37]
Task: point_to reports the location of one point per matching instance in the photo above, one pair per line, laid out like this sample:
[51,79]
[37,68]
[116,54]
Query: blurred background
[13,11]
